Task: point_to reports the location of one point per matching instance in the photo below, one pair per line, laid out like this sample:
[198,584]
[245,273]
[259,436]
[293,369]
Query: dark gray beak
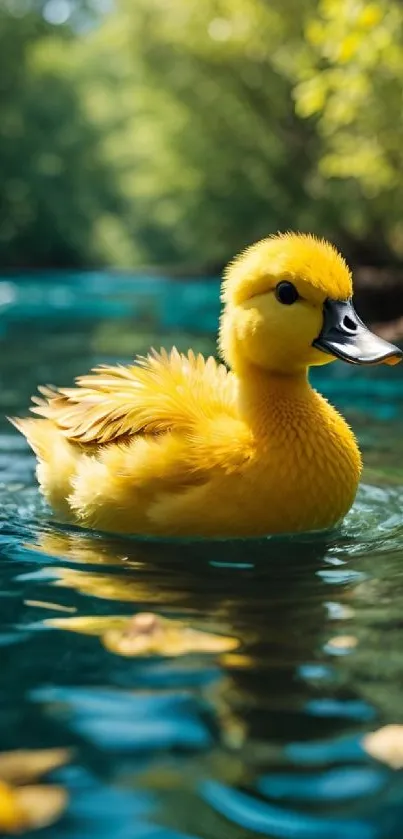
[345,336]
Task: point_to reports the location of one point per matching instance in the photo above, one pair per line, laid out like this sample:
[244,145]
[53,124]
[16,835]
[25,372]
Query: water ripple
[268,737]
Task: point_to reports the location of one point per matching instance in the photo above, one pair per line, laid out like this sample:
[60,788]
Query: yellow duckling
[175,445]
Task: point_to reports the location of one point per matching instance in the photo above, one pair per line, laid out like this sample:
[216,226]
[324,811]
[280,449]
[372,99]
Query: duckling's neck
[268,398]
[306,460]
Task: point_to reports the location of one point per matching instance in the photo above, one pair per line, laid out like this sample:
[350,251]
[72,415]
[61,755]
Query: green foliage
[349,73]
[53,182]
[177,133]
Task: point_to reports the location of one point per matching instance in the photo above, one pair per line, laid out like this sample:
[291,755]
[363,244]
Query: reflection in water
[270,734]
[146,634]
[302,614]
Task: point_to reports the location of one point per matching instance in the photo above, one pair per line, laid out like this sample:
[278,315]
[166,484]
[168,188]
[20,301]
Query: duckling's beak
[346,336]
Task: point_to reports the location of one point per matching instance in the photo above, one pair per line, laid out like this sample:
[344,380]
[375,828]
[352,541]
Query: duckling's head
[287,306]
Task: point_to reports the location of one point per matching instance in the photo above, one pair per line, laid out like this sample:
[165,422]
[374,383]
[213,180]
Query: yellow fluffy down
[178,445]
[109,449]
[159,448]
[288,256]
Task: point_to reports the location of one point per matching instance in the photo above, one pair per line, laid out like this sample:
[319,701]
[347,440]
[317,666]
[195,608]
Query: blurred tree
[212,155]
[217,150]
[53,182]
[349,73]
[176,132]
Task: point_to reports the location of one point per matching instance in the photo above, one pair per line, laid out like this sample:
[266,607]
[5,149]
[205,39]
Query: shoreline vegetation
[172,136]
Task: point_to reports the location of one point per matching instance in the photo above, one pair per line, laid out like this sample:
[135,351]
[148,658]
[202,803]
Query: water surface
[267,738]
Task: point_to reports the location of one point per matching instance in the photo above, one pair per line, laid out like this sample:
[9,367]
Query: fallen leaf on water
[25,765]
[24,808]
[27,808]
[147,634]
[43,804]
[386,745]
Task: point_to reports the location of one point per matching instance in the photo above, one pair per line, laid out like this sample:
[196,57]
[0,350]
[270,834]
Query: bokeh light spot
[220,29]
[57,11]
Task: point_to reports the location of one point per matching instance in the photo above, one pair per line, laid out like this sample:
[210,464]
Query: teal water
[266,739]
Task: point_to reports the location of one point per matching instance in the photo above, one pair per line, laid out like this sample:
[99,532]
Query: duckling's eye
[286,293]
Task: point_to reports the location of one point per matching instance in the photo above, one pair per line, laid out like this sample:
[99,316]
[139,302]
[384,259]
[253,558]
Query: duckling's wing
[159,393]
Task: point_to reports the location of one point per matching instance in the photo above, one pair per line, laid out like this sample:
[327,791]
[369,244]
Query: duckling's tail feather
[57,459]
[33,431]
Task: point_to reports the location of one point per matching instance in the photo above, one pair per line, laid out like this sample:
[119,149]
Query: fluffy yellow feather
[178,445]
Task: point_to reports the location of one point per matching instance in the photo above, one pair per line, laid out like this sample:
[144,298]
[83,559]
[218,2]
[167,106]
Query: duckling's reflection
[266,593]
[282,684]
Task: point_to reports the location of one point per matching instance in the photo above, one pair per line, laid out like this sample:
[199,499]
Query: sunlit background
[142,144]
[172,133]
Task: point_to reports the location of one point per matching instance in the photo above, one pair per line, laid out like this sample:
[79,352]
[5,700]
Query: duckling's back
[129,439]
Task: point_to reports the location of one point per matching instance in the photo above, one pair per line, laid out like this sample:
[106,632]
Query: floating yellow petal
[147,634]
[386,745]
[41,805]
[24,808]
